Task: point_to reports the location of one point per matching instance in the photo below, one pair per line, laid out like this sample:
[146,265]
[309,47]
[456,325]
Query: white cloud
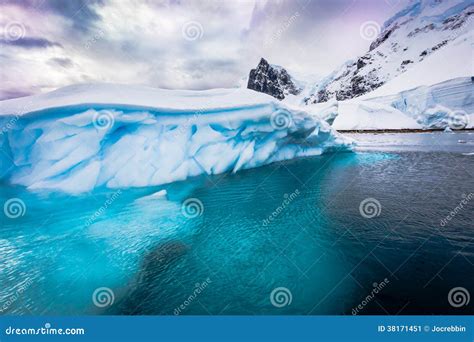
[142,42]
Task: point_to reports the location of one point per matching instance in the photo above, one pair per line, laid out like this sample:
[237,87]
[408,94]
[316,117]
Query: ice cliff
[79,138]
[439,106]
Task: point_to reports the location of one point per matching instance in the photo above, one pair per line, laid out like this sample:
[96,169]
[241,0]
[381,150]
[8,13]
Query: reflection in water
[157,261]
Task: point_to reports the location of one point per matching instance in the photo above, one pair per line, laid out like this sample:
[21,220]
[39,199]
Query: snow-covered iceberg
[448,104]
[83,137]
[441,105]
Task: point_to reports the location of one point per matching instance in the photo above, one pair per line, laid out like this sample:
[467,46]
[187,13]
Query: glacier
[448,104]
[430,94]
[441,105]
[83,137]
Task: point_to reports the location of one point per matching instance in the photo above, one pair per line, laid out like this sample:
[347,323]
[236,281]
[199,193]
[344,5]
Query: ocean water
[344,233]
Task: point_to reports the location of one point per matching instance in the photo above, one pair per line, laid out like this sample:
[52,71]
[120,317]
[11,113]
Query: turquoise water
[153,253]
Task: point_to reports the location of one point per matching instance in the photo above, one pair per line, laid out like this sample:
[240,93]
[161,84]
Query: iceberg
[441,105]
[82,137]
[448,104]
[368,115]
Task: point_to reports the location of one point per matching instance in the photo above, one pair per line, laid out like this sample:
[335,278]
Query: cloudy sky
[176,44]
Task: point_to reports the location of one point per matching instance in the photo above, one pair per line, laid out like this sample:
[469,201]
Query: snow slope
[424,29]
[82,137]
[417,74]
[450,63]
[434,94]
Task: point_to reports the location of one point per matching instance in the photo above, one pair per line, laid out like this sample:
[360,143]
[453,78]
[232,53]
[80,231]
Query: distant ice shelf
[448,104]
[79,138]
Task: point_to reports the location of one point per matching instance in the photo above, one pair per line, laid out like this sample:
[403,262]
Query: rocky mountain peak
[272,80]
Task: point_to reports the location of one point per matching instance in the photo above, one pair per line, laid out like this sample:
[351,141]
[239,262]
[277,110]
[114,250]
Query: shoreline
[403,130]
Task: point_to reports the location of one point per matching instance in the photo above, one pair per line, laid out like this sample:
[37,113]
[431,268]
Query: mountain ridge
[405,40]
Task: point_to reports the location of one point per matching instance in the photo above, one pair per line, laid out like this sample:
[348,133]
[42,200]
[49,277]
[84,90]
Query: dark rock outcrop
[272,80]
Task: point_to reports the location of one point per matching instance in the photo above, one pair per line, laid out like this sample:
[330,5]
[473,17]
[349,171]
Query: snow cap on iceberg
[82,137]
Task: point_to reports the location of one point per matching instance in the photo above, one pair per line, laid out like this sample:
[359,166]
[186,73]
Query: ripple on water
[317,245]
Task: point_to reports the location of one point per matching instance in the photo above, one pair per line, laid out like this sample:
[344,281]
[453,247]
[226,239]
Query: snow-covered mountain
[424,28]
[83,137]
[417,74]
[435,94]
[272,80]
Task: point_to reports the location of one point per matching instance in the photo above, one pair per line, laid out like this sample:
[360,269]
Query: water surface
[153,253]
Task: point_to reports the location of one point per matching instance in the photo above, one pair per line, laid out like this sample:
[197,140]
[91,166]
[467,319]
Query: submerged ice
[79,138]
